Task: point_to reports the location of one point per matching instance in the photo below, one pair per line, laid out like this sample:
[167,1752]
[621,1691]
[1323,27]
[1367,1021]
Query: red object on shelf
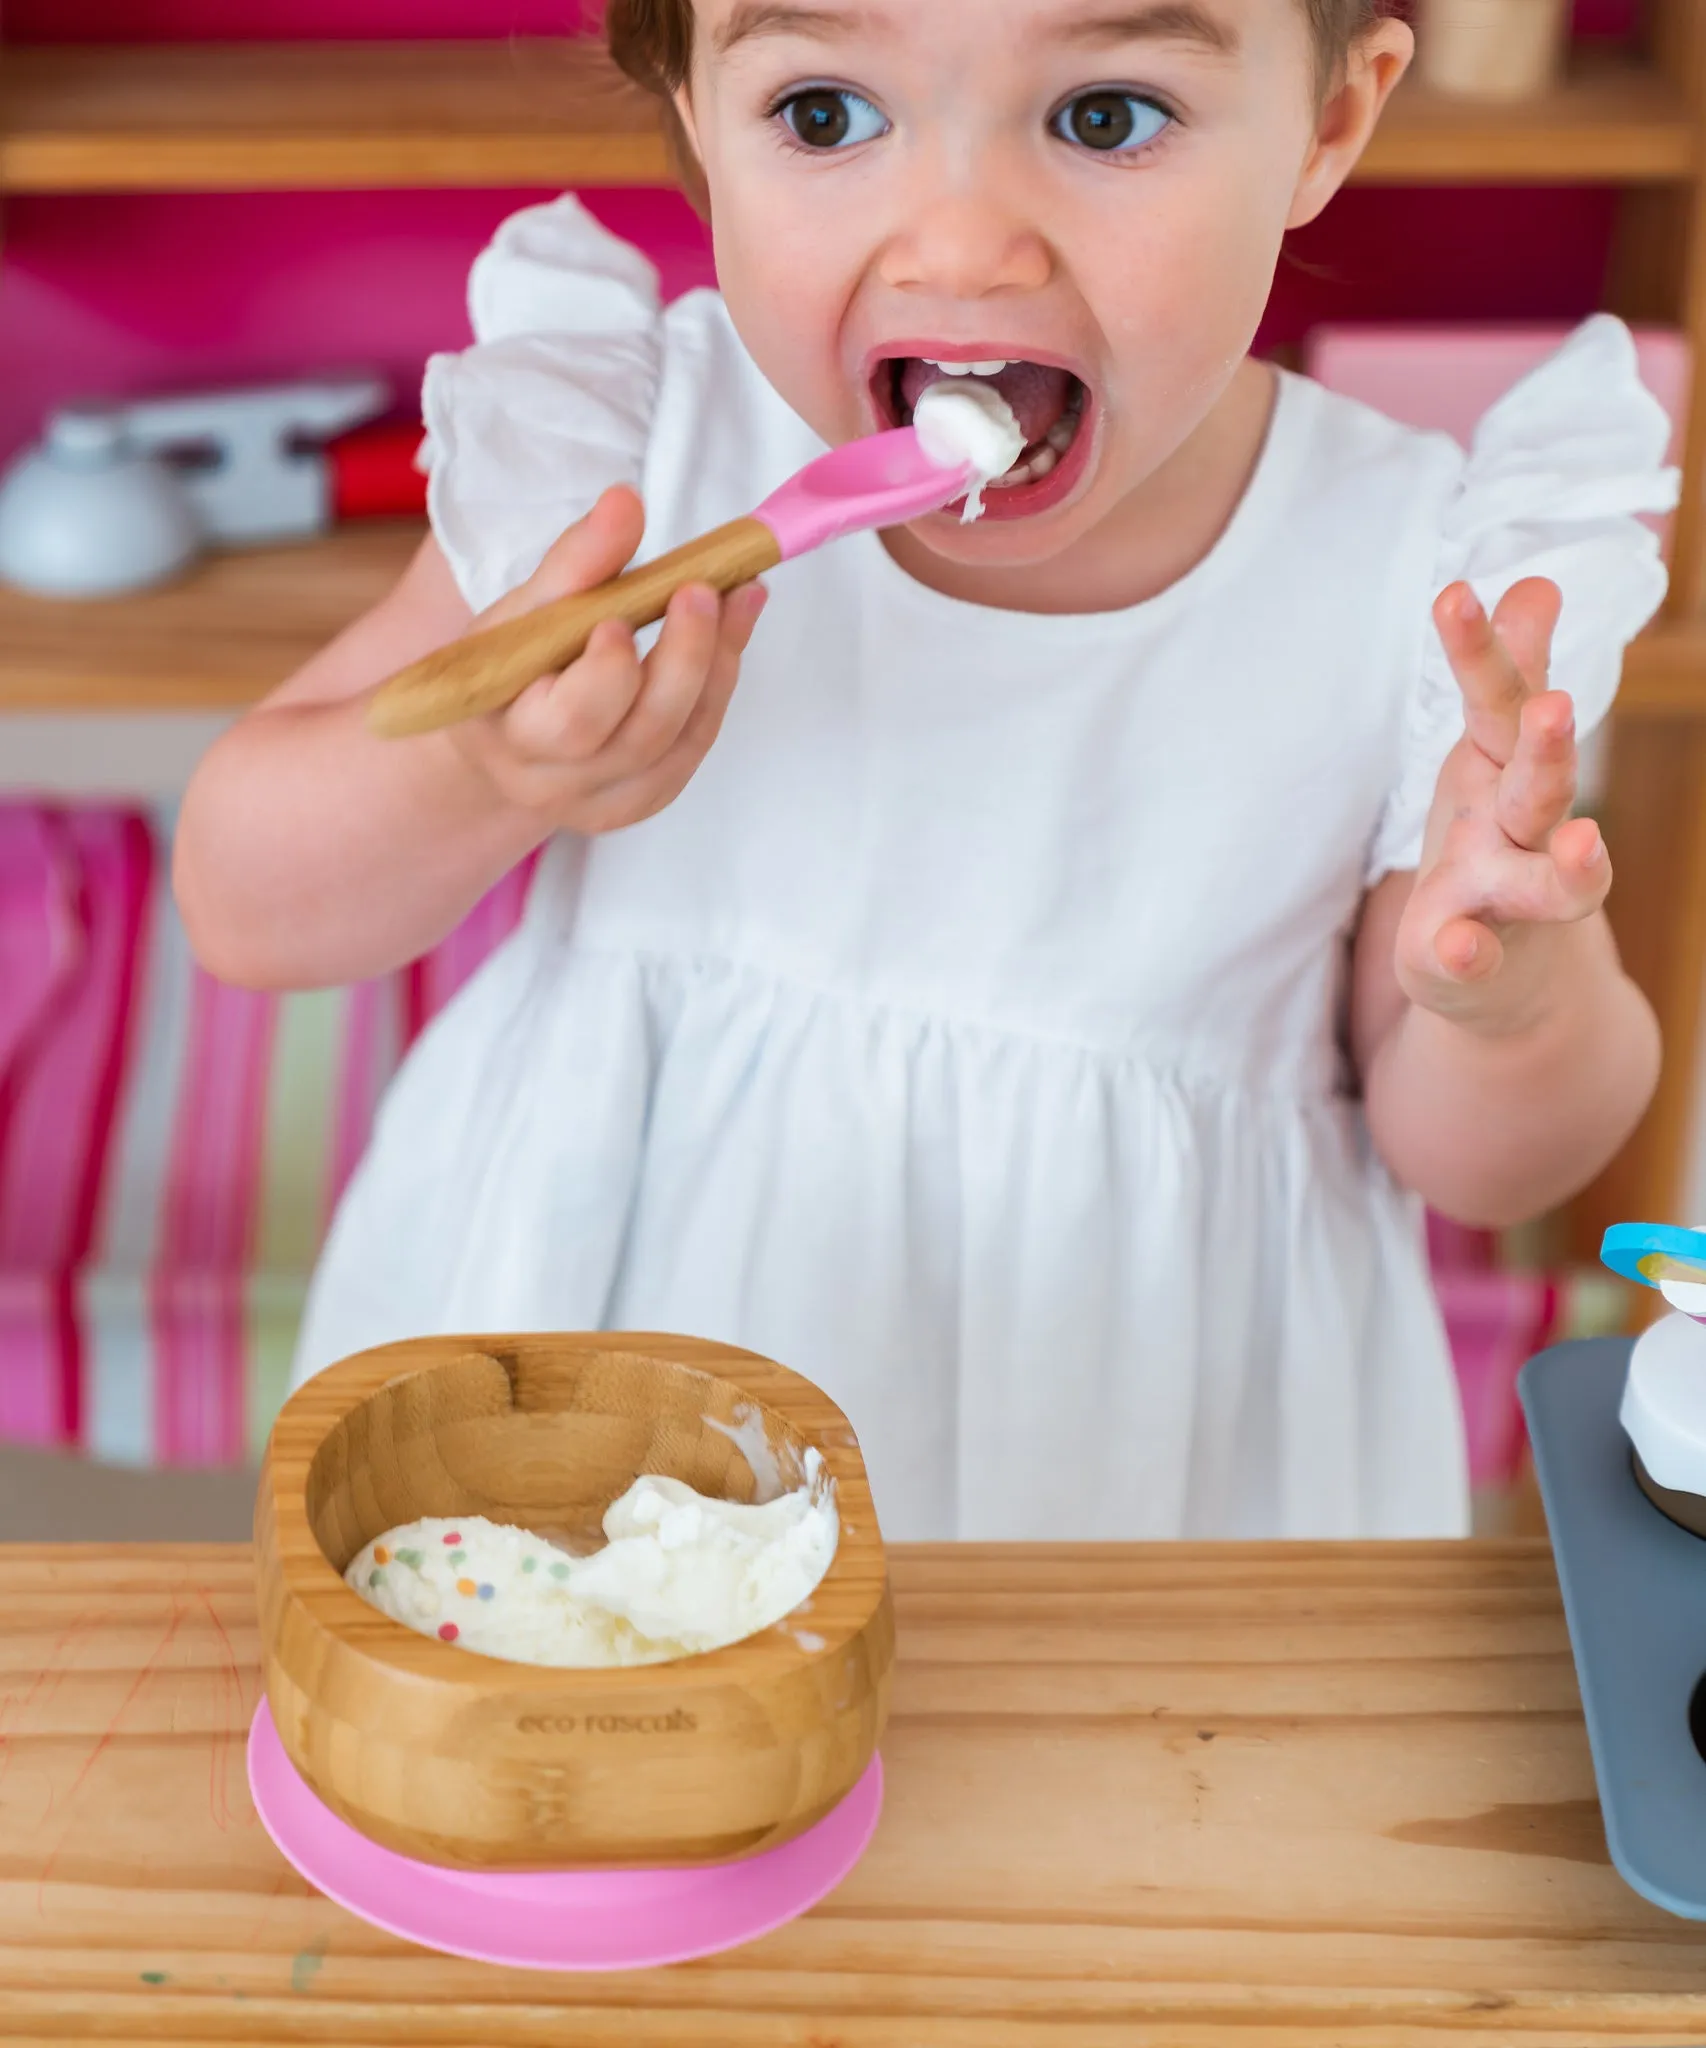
[373,471]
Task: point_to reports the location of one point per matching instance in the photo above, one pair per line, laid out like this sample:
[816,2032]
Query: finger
[674,675]
[1525,619]
[709,637]
[1497,678]
[571,716]
[1538,888]
[747,607]
[1467,951]
[662,781]
[1583,865]
[1536,791]
[1569,881]
[586,554]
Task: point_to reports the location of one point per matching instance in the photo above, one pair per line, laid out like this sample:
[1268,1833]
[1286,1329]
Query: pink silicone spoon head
[882,480]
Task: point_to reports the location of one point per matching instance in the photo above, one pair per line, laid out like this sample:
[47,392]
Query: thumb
[584,555]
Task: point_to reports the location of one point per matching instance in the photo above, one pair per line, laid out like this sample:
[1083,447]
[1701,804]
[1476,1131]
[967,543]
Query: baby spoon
[882,480]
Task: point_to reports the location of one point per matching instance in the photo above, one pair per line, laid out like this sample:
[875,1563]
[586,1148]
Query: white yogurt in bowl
[680,1574]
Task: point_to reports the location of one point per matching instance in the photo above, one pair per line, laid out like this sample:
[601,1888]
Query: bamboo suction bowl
[465,1761]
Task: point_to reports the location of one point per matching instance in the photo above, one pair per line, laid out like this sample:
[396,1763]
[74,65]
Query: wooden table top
[1183,1795]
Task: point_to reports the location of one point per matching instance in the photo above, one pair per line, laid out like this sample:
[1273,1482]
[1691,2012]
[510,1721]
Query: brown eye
[1109,121]
[826,117]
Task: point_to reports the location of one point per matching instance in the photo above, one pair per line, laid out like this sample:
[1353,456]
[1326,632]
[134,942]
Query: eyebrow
[1178,21]
[1173,21]
[754,18]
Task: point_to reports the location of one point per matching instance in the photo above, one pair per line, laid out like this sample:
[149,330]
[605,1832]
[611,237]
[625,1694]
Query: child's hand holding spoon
[613,737]
[961,438]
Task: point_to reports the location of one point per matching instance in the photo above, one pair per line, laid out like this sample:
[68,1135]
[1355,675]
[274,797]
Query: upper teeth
[967,369]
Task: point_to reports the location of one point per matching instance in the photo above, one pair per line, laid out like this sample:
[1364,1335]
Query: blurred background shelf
[1613,121]
[215,642]
[1665,674]
[321,116]
[554,111]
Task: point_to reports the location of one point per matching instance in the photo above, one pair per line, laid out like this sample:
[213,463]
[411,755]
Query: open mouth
[1051,404]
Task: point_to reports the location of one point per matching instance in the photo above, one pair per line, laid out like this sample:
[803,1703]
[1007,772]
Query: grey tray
[1634,1589]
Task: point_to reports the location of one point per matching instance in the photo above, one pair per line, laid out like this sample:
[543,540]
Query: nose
[965,244]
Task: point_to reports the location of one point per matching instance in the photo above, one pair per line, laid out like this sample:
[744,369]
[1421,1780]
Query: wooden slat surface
[553,112]
[1185,1796]
[258,116]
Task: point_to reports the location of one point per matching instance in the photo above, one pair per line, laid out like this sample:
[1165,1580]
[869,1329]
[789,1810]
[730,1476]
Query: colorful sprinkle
[529,1564]
[412,1558]
[467,1588]
[451,1541]
[458,1556]
[486,1592]
[559,1571]
[448,1632]
[376,1578]
[380,1554]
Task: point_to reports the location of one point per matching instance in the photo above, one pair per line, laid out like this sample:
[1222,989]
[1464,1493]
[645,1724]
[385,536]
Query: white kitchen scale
[1619,1434]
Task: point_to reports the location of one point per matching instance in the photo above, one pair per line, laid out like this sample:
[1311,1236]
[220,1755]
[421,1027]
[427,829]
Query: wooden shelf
[1612,122]
[217,641]
[338,116]
[271,116]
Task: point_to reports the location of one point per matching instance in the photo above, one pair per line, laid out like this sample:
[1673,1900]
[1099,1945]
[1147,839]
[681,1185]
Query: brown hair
[652,40]
[1335,25]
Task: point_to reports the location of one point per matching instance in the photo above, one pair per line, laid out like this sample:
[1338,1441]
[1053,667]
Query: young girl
[1036,1002]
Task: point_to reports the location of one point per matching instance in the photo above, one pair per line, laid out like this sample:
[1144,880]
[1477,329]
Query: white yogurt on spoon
[960,420]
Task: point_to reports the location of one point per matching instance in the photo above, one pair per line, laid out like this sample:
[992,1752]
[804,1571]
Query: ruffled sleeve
[1560,469]
[552,404]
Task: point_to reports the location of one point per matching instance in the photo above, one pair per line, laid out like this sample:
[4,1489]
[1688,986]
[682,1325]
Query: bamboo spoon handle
[487,670]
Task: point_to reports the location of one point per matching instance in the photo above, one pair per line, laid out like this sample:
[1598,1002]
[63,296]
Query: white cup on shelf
[1491,49]
[90,514]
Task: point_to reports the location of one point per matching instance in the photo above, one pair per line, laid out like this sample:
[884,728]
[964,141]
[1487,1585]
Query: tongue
[1038,393]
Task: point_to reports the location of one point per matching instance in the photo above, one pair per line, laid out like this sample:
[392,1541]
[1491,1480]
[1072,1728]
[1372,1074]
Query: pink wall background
[232,21]
[134,293]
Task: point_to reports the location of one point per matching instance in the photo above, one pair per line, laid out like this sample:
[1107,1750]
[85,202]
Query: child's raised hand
[1502,857]
[612,738]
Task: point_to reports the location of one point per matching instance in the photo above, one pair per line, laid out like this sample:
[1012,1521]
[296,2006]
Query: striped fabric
[1498,1314]
[171,1148]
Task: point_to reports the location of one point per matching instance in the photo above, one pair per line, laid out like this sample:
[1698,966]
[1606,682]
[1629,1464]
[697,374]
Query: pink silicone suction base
[557,1920]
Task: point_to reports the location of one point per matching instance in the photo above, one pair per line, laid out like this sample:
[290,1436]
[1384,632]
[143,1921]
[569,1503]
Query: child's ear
[1376,63]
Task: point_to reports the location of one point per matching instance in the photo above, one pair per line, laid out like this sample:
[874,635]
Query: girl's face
[1091,193]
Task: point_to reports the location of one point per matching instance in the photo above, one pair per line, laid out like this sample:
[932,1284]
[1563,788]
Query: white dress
[965,1035]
